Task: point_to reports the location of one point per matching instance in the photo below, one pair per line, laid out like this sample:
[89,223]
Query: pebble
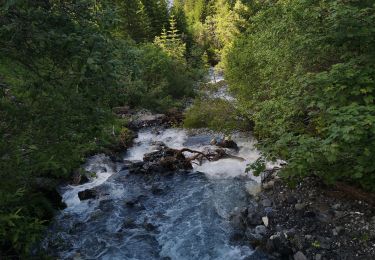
[265,221]
[339,214]
[266,203]
[339,229]
[268,210]
[336,206]
[254,218]
[299,256]
[268,185]
[291,199]
[324,242]
[260,230]
[300,206]
[318,257]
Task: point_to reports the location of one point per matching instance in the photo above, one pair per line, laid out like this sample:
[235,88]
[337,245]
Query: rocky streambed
[139,208]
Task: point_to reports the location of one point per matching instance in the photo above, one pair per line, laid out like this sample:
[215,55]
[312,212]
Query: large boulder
[87,194]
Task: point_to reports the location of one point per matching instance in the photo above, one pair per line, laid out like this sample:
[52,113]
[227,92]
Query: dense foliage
[214,24]
[63,66]
[215,113]
[305,72]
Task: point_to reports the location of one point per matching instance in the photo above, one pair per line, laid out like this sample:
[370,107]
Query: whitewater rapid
[179,216]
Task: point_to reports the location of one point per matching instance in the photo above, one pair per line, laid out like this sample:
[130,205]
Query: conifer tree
[133,19]
[157,12]
[170,41]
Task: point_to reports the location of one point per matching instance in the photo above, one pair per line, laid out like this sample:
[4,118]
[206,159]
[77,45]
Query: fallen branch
[211,156]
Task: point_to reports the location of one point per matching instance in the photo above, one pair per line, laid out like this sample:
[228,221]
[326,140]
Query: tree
[170,41]
[157,12]
[309,86]
[133,19]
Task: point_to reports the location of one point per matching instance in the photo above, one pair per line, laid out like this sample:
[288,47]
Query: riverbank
[311,221]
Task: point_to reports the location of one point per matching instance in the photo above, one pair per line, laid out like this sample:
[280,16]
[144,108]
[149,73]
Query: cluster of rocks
[310,221]
[163,160]
[145,118]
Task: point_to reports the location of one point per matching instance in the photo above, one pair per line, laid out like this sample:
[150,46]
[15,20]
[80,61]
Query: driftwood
[167,159]
[209,156]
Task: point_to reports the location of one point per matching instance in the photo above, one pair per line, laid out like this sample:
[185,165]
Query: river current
[184,215]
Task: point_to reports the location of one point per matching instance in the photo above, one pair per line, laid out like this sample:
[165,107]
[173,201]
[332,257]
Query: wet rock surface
[310,221]
[87,194]
[224,143]
[79,177]
[164,160]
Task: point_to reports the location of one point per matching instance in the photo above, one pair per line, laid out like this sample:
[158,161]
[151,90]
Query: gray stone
[336,206]
[318,257]
[266,203]
[261,230]
[253,237]
[269,211]
[339,230]
[265,221]
[237,218]
[253,188]
[339,214]
[269,185]
[290,232]
[278,243]
[324,242]
[254,219]
[299,256]
[300,206]
[324,217]
[291,199]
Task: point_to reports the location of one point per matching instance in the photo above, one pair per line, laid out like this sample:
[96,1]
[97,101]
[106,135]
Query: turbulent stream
[179,216]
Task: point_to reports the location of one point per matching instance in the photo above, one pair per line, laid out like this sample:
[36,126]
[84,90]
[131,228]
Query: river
[184,215]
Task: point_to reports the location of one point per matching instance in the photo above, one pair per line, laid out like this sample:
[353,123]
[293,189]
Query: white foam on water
[173,138]
[102,167]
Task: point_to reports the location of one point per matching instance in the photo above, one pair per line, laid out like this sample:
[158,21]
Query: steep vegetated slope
[305,72]
[63,66]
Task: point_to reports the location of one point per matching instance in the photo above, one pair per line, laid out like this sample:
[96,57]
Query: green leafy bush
[216,114]
[305,70]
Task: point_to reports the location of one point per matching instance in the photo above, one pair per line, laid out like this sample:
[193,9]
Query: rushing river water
[178,216]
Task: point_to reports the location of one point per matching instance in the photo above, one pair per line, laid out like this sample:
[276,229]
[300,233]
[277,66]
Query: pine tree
[133,19]
[170,41]
[157,11]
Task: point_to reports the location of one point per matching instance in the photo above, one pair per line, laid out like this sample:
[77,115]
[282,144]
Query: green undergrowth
[216,114]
